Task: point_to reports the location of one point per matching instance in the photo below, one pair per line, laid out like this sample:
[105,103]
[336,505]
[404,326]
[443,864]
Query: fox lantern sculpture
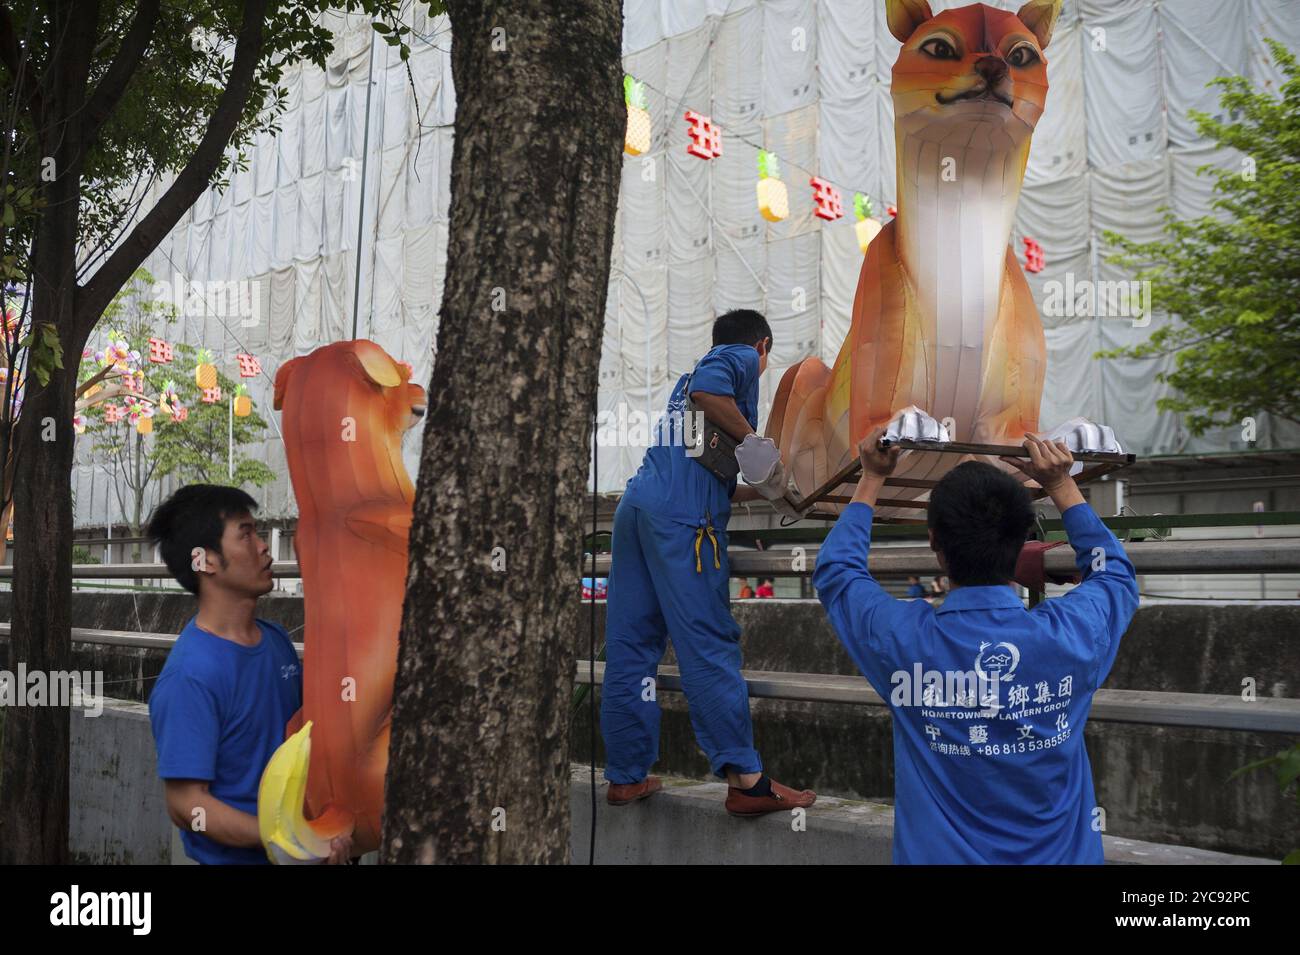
[943,320]
[344,409]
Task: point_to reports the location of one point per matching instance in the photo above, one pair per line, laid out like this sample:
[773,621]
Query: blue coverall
[986,777]
[670,578]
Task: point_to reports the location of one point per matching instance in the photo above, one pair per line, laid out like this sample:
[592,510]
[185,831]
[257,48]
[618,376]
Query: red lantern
[160,352]
[706,138]
[827,199]
[1034,260]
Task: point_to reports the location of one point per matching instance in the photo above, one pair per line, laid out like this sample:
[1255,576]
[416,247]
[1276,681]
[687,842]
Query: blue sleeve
[863,614]
[726,371]
[186,723]
[1098,610]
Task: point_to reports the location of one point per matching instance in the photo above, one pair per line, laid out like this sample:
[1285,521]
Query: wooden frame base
[1097,463]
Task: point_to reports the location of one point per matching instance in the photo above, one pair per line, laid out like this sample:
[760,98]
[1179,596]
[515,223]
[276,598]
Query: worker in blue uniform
[669,579]
[988,699]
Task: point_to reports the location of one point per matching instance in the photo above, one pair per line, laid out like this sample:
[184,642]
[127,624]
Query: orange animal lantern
[345,408]
[943,320]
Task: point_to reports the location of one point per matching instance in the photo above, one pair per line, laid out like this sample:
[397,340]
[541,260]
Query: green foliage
[44,353]
[1286,767]
[1232,279]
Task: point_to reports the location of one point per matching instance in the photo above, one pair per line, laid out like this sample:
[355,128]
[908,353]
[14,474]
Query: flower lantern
[167,398]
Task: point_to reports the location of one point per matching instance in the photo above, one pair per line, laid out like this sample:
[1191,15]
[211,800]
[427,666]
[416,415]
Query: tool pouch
[711,447]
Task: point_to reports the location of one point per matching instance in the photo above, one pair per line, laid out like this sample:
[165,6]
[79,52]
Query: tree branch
[101,103]
[16,63]
[96,294]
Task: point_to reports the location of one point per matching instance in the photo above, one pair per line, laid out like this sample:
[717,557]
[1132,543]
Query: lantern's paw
[289,837]
[914,424]
[1080,434]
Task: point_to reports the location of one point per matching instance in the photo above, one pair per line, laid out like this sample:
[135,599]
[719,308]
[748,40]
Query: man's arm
[723,411]
[1106,599]
[191,806]
[860,610]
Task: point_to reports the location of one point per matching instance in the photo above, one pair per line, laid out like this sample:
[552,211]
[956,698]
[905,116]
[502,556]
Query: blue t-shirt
[670,483]
[218,713]
[989,760]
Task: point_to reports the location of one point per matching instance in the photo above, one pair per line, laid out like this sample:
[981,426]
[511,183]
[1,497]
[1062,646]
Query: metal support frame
[1098,463]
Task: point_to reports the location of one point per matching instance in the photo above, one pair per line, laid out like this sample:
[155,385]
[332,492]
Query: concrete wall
[1156,784]
[118,816]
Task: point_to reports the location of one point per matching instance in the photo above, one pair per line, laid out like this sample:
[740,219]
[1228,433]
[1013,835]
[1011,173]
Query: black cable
[591,643]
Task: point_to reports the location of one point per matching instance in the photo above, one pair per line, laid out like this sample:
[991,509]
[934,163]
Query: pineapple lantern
[867,227]
[144,422]
[636,140]
[243,403]
[205,373]
[773,200]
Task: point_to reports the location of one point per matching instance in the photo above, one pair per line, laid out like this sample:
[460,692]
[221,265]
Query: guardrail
[1260,556]
[1150,707]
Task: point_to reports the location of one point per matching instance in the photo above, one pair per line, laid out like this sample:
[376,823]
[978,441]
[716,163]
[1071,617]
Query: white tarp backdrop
[806,79]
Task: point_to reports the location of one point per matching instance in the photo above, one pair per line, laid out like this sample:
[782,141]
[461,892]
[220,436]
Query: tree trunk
[479,756]
[35,748]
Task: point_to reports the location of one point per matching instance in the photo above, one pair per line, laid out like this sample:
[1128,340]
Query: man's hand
[876,460]
[1049,464]
[877,465]
[340,850]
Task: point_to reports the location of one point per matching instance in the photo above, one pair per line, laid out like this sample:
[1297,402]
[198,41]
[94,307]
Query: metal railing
[1243,556]
[1149,707]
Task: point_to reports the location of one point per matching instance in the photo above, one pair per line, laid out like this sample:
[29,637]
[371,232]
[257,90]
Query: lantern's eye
[939,48]
[1023,55]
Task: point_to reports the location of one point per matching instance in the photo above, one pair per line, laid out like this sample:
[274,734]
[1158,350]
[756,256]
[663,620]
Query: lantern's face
[971,72]
[345,407]
[406,401]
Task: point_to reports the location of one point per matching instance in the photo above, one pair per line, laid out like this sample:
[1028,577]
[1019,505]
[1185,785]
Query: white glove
[761,464]
[915,424]
[1080,434]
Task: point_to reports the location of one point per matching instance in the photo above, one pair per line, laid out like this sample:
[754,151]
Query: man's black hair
[742,326]
[195,516]
[981,517]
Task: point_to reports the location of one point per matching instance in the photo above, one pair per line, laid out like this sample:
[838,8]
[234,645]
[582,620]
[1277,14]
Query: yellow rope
[716,564]
[699,537]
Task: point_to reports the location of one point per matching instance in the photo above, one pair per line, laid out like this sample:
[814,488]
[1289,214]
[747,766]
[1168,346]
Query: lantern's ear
[904,16]
[282,383]
[1040,16]
[375,364]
